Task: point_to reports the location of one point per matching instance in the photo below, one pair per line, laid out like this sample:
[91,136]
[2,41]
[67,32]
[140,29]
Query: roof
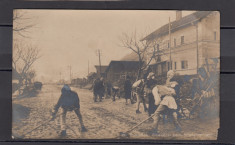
[176,25]
[103,68]
[124,64]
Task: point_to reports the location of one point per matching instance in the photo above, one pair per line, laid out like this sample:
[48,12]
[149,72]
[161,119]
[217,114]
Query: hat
[66,87]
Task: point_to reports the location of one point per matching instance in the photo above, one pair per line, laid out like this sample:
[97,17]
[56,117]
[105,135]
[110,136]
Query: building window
[214,35]
[184,64]
[174,42]
[169,64]
[175,65]
[182,40]
[168,45]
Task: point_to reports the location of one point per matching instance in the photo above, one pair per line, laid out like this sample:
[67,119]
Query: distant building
[100,70]
[120,69]
[78,81]
[186,43]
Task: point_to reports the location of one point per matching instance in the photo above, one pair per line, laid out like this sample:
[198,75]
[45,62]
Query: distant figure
[108,89]
[68,101]
[127,89]
[98,89]
[115,92]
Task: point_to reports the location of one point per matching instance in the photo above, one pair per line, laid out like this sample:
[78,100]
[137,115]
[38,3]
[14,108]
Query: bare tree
[24,56]
[23,59]
[140,48]
[21,23]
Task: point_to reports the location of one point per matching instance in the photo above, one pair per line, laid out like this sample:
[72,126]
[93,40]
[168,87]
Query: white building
[187,42]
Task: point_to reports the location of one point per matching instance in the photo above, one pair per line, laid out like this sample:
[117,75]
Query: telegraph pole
[99,61]
[170,42]
[70,73]
[88,68]
[60,78]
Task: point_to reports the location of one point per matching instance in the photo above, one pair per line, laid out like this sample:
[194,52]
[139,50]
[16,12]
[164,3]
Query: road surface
[104,120]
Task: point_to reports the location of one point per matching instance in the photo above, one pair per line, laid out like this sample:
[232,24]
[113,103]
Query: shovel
[125,135]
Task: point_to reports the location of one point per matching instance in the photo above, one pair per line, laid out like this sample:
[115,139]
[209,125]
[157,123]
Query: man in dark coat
[127,89]
[149,84]
[109,86]
[68,101]
[98,89]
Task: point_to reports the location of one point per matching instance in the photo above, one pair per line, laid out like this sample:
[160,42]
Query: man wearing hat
[68,101]
[98,89]
[127,89]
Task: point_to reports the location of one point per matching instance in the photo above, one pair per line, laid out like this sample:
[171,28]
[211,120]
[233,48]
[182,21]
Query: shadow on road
[19,112]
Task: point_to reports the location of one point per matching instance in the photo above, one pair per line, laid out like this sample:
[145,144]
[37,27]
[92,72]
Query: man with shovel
[68,101]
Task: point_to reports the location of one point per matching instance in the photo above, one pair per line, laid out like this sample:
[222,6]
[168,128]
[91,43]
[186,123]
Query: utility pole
[70,73]
[60,78]
[88,68]
[170,42]
[99,61]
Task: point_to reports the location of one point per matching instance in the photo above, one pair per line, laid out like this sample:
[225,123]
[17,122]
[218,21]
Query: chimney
[178,15]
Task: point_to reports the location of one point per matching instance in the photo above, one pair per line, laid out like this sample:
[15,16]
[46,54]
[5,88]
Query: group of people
[161,99]
[101,88]
[163,104]
[167,105]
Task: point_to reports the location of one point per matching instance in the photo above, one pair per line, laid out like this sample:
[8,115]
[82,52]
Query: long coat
[127,89]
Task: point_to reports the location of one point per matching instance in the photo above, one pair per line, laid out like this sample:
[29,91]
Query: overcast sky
[72,37]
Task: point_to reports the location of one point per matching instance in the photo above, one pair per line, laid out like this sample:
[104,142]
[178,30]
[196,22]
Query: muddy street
[104,120]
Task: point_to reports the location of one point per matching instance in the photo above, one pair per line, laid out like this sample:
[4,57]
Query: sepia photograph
[115,74]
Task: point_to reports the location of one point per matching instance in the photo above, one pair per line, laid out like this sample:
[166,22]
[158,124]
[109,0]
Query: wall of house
[207,46]
[210,37]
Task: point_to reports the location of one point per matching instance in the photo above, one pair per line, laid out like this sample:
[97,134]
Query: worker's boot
[137,112]
[83,129]
[63,133]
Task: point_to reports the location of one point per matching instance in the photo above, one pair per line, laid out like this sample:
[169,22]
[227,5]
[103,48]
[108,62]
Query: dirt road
[104,120]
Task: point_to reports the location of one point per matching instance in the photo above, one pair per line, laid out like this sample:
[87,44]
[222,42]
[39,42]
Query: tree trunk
[19,86]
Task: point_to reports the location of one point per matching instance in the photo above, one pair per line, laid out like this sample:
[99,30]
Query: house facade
[186,44]
[118,70]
